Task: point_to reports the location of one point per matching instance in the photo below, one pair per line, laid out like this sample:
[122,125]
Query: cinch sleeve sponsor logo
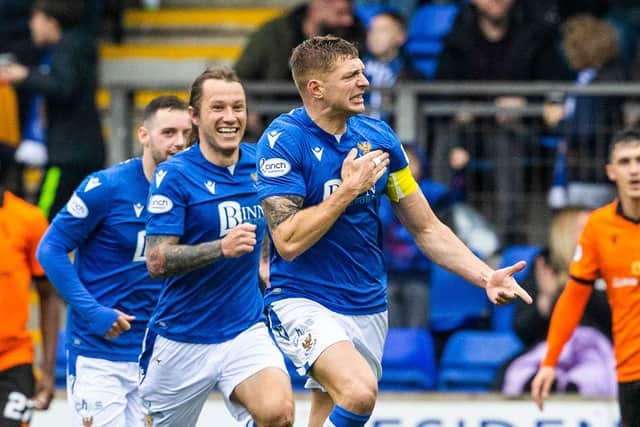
[76,207]
[160,204]
[275,167]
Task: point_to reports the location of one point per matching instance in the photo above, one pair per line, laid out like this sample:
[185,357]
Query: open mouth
[228,130]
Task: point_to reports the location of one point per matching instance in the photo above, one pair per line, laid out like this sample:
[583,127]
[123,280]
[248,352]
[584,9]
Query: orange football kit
[608,248]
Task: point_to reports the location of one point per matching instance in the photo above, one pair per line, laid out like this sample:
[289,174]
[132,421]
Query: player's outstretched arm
[294,229]
[440,244]
[165,256]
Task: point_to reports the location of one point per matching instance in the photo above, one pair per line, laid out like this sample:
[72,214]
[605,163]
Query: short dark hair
[625,136]
[68,13]
[168,102]
[318,55]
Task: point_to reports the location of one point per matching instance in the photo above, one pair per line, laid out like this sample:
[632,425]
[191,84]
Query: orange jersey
[21,227]
[609,248]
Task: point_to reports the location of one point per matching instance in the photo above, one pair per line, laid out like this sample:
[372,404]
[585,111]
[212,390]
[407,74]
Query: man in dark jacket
[496,40]
[67,81]
[266,56]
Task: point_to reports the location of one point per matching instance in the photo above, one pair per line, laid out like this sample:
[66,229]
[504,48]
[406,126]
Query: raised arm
[165,256]
[441,245]
[294,229]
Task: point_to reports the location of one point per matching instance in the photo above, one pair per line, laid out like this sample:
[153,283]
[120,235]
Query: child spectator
[384,60]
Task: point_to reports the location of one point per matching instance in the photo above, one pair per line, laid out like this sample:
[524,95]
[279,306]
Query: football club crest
[364,147]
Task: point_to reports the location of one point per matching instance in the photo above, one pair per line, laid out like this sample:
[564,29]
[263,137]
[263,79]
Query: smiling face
[342,88]
[222,116]
[166,133]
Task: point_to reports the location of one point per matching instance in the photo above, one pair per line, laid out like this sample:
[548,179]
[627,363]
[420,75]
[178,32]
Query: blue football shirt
[200,202]
[104,221]
[344,270]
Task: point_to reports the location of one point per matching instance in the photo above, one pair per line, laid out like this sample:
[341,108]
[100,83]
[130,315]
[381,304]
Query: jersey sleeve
[585,265]
[38,226]
[74,223]
[397,157]
[167,203]
[565,318]
[86,208]
[280,163]
[401,182]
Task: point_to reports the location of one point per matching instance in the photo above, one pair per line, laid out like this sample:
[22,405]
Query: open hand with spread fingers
[503,288]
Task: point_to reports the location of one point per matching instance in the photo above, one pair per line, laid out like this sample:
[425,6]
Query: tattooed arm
[166,257]
[293,229]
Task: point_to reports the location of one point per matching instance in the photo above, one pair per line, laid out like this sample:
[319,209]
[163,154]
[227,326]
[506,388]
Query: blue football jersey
[105,222]
[344,270]
[200,202]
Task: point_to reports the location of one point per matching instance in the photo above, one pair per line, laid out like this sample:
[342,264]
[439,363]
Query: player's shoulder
[179,162]
[601,219]
[604,213]
[248,149]
[372,128]
[295,121]
[105,180]
[20,206]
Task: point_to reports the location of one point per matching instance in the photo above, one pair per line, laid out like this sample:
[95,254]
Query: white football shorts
[176,378]
[304,329]
[103,393]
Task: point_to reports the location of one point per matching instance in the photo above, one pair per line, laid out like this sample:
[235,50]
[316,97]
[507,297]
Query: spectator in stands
[589,366]
[407,268]
[384,62]
[608,248]
[585,123]
[266,55]
[14,23]
[67,80]
[493,40]
[21,227]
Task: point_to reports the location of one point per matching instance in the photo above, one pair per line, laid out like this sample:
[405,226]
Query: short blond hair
[317,56]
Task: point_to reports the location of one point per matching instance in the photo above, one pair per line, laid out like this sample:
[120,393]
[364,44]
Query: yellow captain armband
[400,184]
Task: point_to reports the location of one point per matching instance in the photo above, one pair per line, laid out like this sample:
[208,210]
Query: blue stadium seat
[471,358]
[502,316]
[454,303]
[61,361]
[408,361]
[427,28]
